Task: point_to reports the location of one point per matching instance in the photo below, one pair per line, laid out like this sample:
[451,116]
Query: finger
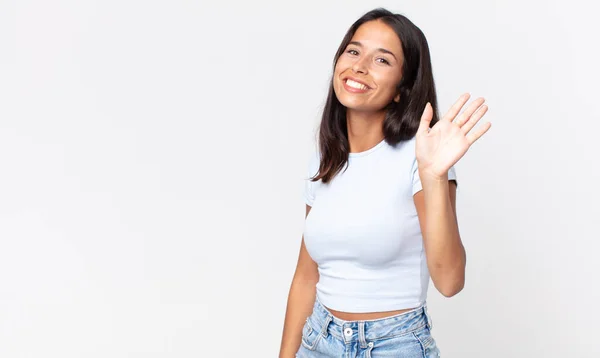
[453,111]
[426,119]
[481,111]
[476,134]
[467,113]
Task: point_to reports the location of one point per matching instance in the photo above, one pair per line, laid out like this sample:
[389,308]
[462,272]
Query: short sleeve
[416,180]
[310,187]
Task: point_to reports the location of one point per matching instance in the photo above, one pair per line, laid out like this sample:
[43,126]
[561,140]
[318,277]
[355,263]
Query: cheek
[387,83]
[340,66]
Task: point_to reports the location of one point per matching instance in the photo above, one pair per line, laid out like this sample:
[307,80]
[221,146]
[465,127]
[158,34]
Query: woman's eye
[383,60]
[352,52]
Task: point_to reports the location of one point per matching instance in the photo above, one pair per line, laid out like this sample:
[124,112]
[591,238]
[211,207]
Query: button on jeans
[404,335]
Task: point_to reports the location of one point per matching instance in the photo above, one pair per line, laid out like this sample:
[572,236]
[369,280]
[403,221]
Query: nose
[359,66]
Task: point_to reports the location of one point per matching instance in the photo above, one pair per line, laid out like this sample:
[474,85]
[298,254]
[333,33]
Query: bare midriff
[348,316]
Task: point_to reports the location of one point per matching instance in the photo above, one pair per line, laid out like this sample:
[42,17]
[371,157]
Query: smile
[354,86]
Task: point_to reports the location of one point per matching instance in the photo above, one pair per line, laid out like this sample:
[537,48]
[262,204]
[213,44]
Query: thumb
[426,118]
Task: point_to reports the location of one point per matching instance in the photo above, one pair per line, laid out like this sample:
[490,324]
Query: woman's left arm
[437,150]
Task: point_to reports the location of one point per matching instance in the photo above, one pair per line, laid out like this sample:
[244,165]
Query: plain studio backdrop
[152,159]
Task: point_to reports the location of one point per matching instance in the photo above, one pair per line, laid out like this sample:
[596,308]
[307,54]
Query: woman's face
[369,70]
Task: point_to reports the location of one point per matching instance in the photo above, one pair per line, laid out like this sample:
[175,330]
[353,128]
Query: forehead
[377,34]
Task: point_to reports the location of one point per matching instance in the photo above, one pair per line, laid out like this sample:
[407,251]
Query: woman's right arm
[301,299]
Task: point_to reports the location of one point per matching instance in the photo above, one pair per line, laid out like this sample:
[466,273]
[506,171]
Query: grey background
[152,157]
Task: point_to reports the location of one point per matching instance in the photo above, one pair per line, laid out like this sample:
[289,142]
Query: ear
[397,98]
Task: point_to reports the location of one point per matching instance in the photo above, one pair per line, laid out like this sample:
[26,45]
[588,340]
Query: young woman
[380,201]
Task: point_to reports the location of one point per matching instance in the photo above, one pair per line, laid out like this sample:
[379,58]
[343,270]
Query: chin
[353,104]
[349,101]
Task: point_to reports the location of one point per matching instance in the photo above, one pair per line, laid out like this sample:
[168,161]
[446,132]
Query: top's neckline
[368,151]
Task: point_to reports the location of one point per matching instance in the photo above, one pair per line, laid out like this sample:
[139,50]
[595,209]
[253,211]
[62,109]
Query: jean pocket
[428,343]
[310,336]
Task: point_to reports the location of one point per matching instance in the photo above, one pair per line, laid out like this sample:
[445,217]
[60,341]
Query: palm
[440,147]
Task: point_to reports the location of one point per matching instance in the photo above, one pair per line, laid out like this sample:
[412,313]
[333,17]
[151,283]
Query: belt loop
[325,325]
[361,334]
[429,320]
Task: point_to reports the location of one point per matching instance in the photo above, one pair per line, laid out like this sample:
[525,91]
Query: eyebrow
[379,49]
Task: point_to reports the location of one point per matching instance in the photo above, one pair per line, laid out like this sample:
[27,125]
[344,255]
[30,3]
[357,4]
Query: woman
[380,203]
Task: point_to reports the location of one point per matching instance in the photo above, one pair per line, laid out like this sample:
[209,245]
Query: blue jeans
[404,335]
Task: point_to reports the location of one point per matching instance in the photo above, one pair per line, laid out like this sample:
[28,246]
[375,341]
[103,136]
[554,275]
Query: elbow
[451,283]
[451,290]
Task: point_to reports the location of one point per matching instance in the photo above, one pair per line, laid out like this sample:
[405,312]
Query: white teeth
[356,85]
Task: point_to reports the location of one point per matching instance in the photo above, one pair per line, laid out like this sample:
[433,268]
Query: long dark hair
[402,118]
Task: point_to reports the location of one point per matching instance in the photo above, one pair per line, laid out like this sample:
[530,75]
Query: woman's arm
[446,258]
[300,302]
[437,149]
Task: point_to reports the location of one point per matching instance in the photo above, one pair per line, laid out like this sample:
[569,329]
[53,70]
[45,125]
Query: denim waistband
[368,330]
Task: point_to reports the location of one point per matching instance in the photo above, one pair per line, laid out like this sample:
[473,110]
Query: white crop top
[363,231]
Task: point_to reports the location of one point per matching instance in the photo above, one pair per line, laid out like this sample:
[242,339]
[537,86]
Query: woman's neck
[365,130]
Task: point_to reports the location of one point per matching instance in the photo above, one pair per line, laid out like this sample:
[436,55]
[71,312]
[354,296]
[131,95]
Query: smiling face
[369,70]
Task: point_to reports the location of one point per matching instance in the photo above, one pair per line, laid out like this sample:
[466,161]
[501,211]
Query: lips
[355,83]
[351,85]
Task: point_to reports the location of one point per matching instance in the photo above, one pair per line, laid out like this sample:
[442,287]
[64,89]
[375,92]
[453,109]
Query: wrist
[429,176]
